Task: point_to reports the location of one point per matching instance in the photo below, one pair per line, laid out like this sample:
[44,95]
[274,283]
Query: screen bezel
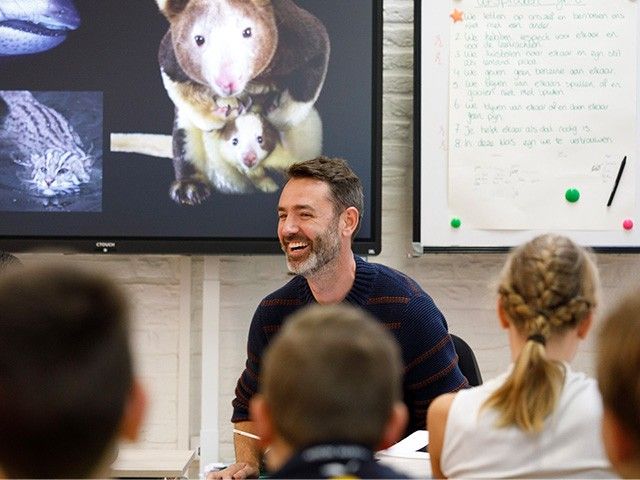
[371,245]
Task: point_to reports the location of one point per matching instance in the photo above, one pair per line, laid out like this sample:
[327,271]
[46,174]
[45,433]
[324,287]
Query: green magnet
[455,222]
[572,195]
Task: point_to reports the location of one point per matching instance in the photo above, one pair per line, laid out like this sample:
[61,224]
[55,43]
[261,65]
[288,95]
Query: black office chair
[467,361]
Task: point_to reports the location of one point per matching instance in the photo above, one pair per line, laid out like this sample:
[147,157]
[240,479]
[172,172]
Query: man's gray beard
[325,248]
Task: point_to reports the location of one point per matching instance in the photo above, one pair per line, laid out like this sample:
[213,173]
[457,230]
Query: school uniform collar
[327,460]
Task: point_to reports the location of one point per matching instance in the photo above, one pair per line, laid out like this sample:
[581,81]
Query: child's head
[548,286]
[67,390]
[619,380]
[333,374]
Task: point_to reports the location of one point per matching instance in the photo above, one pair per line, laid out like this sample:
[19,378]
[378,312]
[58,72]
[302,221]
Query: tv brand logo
[105,244]
[106,247]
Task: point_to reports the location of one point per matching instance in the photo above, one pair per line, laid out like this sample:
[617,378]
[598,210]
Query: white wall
[167,290]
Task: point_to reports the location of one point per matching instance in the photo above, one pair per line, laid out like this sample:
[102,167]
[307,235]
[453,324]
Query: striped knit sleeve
[247,384]
[431,363]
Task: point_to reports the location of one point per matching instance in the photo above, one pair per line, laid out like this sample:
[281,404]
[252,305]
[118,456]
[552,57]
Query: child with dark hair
[619,380]
[67,389]
[311,411]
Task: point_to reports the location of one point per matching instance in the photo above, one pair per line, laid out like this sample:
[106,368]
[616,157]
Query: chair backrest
[467,361]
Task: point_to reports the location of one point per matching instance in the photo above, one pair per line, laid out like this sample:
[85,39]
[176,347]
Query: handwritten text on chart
[527,80]
[542,99]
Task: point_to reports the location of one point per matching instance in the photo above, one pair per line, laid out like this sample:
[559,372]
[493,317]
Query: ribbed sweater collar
[360,290]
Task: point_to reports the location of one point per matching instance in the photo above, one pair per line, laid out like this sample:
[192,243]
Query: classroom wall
[167,290]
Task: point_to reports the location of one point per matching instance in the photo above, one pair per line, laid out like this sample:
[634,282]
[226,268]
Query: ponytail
[531,390]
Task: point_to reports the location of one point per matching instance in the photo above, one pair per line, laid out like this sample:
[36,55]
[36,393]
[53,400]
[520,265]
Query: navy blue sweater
[430,361]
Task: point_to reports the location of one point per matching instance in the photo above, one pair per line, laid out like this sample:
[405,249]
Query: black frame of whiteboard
[367,242]
[418,247]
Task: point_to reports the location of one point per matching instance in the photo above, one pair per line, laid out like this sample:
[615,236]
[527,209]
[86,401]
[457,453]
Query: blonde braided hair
[548,286]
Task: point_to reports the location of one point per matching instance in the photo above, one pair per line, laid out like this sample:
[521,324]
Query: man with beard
[319,214]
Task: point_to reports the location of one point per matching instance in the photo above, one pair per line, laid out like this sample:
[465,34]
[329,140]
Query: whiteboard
[502,145]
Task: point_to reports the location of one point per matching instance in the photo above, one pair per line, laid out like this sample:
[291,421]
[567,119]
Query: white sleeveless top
[569,445]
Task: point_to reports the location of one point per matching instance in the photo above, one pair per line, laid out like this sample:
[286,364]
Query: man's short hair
[345,186]
[333,374]
[65,370]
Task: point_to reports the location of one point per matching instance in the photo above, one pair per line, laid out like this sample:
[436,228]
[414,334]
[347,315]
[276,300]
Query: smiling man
[318,216]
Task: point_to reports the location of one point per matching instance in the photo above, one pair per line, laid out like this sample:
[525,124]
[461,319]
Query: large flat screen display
[165,127]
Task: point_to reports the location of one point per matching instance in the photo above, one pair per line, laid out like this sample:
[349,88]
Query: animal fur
[216,54]
[237,162]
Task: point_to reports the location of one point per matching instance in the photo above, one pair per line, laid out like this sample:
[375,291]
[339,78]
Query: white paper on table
[409,446]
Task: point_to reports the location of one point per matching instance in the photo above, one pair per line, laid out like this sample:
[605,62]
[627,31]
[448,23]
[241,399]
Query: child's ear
[395,427]
[502,315]
[134,412]
[584,326]
[261,415]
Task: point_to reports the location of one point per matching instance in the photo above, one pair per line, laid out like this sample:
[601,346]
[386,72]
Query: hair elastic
[538,338]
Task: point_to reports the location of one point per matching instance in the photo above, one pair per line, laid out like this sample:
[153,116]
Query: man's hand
[248,454]
[237,471]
